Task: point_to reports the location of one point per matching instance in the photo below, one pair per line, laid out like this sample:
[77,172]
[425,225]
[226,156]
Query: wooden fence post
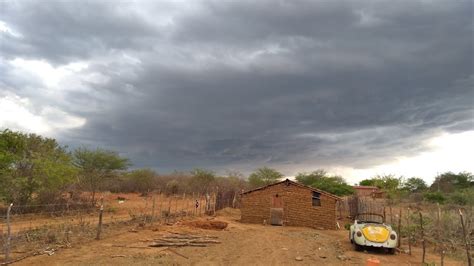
[384,215]
[466,241]
[234,200]
[200,205]
[183,204]
[161,207]
[169,210]
[153,210]
[176,209]
[187,207]
[422,238]
[399,227]
[145,210]
[215,201]
[99,227]
[391,215]
[194,204]
[160,211]
[439,234]
[9,236]
[409,231]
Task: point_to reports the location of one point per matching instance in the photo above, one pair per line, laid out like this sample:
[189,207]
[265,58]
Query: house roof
[366,187]
[296,184]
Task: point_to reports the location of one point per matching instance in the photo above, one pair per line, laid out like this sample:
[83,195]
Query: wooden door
[276,210]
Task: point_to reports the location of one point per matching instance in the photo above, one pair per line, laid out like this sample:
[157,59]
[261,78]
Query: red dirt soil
[241,244]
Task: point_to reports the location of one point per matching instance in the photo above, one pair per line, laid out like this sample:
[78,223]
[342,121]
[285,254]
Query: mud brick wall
[297,207]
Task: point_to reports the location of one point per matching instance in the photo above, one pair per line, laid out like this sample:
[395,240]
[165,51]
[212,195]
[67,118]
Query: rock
[322,257]
[341,257]
[284,248]
[299,258]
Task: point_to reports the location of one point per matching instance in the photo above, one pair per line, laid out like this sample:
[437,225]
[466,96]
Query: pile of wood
[183,240]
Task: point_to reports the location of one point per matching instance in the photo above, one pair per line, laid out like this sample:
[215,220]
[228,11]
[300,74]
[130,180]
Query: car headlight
[393,236]
[359,234]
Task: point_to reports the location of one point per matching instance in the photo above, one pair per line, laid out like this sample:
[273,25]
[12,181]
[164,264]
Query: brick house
[289,203]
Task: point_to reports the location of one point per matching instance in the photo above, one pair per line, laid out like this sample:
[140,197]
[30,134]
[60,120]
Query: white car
[369,230]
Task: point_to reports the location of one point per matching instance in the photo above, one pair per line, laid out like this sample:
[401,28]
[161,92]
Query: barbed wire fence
[29,230]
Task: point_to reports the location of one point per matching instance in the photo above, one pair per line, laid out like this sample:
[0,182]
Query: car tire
[358,247]
[391,251]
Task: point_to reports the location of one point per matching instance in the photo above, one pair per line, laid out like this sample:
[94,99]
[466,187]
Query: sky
[358,88]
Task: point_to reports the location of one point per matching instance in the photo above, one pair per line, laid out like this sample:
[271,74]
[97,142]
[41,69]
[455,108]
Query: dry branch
[182,240]
[176,245]
[125,246]
[189,237]
[198,241]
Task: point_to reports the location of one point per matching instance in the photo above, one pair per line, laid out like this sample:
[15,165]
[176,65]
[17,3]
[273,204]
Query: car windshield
[369,218]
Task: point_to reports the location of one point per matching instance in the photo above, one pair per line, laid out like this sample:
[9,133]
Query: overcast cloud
[295,85]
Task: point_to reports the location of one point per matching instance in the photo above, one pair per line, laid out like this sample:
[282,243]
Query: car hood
[376,232]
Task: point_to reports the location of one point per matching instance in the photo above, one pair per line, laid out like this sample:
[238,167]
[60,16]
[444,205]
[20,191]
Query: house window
[316,199]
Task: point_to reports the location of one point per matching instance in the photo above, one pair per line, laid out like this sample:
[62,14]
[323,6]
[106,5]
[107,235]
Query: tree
[264,176]
[201,180]
[32,165]
[142,180]
[449,182]
[309,178]
[414,184]
[319,179]
[97,165]
[172,187]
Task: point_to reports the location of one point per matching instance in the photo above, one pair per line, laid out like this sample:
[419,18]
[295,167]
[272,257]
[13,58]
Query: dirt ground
[241,244]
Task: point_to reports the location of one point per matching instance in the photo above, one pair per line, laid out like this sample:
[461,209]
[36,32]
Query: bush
[172,187]
[463,197]
[435,197]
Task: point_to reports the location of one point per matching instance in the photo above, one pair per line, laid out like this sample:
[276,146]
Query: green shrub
[435,197]
[462,197]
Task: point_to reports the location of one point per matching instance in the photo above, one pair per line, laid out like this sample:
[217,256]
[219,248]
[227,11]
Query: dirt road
[242,244]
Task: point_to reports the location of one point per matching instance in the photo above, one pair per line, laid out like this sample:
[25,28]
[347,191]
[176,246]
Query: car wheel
[358,247]
[391,251]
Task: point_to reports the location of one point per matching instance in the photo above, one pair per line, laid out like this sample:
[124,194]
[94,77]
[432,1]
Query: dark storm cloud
[61,31]
[218,84]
